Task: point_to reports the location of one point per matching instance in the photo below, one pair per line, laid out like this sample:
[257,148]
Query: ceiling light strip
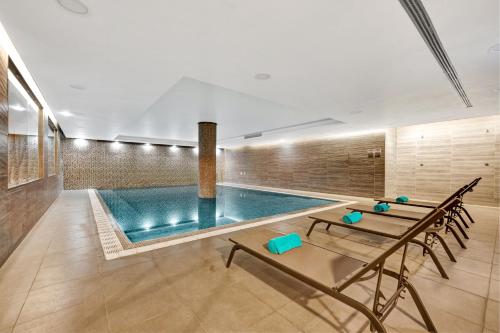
[8,46]
[415,9]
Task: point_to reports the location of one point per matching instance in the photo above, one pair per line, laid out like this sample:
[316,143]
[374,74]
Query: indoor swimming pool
[150,213]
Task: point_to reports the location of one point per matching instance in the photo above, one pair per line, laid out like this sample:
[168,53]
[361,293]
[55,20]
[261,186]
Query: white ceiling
[156,68]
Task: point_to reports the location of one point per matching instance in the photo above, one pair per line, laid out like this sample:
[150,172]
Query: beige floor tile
[274,323]
[211,278]
[17,280]
[107,266]
[10,307]
[87,317]
[494,292]
[66,272]
[69,244]
[492,320]
[464,264]
[407,319]
[68,257]
[451,299]
[470,282]
[495,272]
[178,320]
[43,301]
[230,310]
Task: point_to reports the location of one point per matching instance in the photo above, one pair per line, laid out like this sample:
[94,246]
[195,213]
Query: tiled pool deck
[58,281]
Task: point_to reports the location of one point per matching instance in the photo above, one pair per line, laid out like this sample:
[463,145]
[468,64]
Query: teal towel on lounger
[284,243]
[381,207]
[402,199]
[352,217]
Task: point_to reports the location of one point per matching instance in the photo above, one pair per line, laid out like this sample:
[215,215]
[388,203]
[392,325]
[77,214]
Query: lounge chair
[450,217]
[332,272]
[428,204]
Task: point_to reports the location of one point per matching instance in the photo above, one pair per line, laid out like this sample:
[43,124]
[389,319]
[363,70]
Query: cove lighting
[20,88]
[174,148]
[66,113]
[8,46]
[147,147]
[81,143]
[195,150]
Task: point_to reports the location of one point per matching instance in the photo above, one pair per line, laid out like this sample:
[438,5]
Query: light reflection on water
[149,213]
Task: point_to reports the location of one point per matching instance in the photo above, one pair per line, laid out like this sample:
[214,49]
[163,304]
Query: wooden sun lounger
[332,272]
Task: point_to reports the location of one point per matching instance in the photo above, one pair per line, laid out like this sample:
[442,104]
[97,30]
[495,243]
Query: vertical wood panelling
[339,166]
[20,207]
[435,159]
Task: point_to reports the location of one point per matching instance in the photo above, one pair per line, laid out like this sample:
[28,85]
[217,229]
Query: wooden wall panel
[340,166]
[433,160]
[20,207]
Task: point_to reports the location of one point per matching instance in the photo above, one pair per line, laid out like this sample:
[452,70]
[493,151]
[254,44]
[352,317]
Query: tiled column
[207,136]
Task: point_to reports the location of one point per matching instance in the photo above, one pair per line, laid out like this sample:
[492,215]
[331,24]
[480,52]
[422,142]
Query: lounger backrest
[431,218]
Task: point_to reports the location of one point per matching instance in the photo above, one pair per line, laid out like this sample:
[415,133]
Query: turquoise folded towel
[402,198]
[352,217]
[381,207]
[285,243]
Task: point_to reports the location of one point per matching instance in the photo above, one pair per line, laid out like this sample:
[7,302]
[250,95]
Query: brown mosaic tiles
[101,164]
[340,166]
[22,206]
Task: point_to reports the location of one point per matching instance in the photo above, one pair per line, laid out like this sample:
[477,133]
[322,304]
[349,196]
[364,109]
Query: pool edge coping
[113,247]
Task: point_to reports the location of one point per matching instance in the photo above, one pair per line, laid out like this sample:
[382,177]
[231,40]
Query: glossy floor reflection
[58,281]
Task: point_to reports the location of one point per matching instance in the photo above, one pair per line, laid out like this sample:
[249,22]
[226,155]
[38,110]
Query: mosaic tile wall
[342,166]
[22,206]
[98,164]
[23,159]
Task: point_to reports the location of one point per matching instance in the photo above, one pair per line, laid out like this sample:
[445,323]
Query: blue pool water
[149,213]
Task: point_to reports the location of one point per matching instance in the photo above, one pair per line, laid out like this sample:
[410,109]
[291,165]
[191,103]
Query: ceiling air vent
[291,128]
[422,21]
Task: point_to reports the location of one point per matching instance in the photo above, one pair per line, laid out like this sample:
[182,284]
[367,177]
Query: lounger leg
[463,221]
[433,256]
[462,231]
[445,247]
[375,323]
[312,227]
[457,237]
[328,227]
[231,255]
[421,307]
[468,215]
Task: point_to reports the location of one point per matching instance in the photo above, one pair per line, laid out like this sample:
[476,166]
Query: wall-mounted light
[195,150]
[174,148]
[218,151]
[147,147]
[116,145]
[80,143]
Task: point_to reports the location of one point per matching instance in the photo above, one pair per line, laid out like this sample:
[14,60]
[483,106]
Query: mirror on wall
[23,133]
[52,142]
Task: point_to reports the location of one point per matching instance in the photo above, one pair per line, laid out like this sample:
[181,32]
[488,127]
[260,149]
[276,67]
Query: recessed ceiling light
[262,76]
[77,86]
[66,114]
[356,112]
[494,48]
[74,6]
